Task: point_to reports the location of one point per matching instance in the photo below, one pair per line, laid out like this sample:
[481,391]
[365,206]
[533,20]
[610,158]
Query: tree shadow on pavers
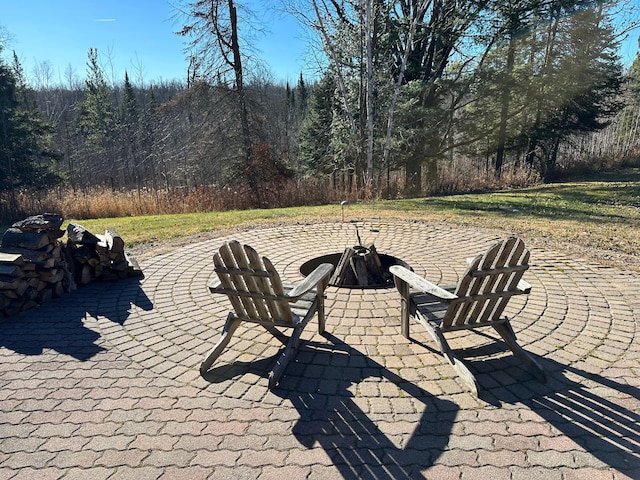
[331,414]
[599,414]
[61,324]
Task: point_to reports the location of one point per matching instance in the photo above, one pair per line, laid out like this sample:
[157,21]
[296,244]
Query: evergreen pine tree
[26,156]
[96,123]
[315,132]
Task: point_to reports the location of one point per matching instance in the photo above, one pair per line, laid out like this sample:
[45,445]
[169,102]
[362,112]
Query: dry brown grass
[101,202]
[599,215]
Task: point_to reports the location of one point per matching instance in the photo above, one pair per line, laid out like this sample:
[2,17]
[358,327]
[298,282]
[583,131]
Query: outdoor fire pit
[357,267]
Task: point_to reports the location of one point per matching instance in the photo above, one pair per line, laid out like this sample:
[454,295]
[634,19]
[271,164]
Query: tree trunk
[504,110]
[242,104]
[418,16]
[552,159]
[413,177]
[370,33]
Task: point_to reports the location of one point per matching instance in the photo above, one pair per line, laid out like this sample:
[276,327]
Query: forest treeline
[415,97]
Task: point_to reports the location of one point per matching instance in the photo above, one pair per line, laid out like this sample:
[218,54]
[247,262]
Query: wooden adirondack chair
[478,300]
[258,296]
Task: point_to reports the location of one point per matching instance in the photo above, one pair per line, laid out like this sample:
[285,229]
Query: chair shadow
[224,372]
[599,414]
[332,417]
[59,324]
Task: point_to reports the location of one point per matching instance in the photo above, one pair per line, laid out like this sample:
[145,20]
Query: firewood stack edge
[36,265]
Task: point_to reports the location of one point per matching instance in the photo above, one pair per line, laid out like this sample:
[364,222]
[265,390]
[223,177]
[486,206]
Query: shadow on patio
[60,324]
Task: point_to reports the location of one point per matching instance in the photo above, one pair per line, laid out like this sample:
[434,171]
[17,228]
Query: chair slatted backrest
[252,285]
[487,285]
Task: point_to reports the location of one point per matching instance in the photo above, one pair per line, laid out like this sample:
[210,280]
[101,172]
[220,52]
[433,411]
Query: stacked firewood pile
[35,264]
[99,256]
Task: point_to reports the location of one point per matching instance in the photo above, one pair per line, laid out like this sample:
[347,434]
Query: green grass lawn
[602,213]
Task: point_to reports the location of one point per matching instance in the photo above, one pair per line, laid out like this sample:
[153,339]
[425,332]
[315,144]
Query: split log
[11,294]
[27,254]
[102,246]
[102,249]
[14,237]
[377,263]
[28,267]
[87,274]
[343,273]
[21,288]
[86,254]
[11,259]
[55,235]
[116,246]
[52,275]
[374,266]
[114,241]
[46,221]
[134,269]
[69,283]
[30,294]
[359,266]
[12,283]
[11,271]
[28,305]
[48,263]
[98,271]
[79,234]
[56,252]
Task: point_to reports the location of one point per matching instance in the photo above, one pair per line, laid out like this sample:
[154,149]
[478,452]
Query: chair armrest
[418,283]
[525,287]
[321,273]
[214,285]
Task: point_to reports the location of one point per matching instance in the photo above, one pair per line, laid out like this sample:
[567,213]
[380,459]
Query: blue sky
[135,35]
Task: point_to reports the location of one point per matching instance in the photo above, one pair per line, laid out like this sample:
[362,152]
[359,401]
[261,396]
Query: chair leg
[284,339]
[506,332]
[289,352]
[230,327]
[284,358]
[403,288]
[461,369]
[319,307]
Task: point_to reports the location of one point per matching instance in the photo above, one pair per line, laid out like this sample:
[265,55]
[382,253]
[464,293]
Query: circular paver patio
[105,380]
